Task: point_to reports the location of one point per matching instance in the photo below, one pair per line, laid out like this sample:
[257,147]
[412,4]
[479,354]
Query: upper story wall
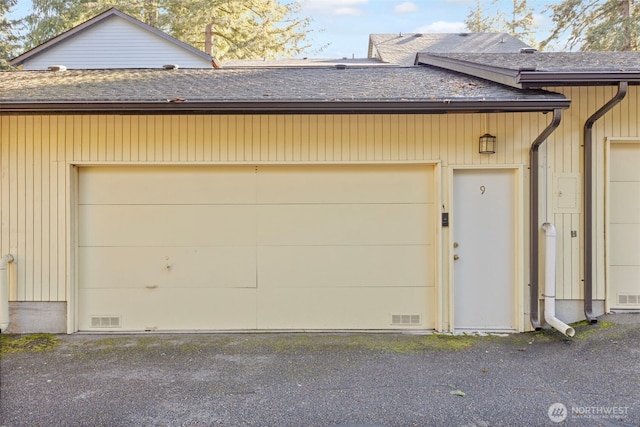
[115,43]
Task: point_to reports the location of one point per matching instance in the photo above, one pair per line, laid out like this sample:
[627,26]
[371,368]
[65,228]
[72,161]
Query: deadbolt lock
[455,244]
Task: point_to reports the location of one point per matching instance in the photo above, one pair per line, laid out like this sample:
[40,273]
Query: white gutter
[550,281]
[4,292]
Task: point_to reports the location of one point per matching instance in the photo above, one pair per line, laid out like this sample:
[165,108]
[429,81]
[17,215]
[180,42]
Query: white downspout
[4,292]
[550,281]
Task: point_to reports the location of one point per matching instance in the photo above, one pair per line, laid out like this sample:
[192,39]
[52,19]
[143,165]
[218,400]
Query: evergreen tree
[596,24]
[478,22]
[518,22]
[521,23]
[8,39]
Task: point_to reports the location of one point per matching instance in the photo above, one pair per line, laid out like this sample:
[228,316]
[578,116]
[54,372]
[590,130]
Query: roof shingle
[401,49]
[553,61]
[252,84]
[542,69]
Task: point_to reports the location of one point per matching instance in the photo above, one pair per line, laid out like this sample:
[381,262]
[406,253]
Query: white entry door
[484,249]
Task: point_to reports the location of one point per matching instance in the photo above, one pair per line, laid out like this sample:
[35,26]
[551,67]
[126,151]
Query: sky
[341,28]
[346,24]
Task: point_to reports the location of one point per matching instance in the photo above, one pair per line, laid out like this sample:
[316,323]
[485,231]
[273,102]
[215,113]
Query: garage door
[256,247]
[624,226]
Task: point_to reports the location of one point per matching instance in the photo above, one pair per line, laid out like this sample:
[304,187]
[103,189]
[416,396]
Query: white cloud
[335,7]
[406,7]
[541,21]
[442,27]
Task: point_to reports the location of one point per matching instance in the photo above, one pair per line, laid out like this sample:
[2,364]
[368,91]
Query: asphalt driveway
[348,379]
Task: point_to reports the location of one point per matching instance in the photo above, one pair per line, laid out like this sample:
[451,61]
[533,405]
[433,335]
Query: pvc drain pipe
[4,292]
[550,281]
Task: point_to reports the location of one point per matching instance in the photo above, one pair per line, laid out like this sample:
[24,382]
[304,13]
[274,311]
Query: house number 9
[482,189]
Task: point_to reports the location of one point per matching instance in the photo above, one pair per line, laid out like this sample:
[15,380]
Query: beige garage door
[247,247]
[624,226]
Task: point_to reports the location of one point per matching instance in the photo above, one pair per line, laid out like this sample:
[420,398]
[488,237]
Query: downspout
[534,309]
[550,282]
[4,292]
[588,198]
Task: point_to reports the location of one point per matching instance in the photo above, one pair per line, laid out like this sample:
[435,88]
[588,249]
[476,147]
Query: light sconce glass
[487,144]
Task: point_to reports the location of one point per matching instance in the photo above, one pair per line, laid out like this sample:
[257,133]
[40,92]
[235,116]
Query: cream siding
[37,153]
[565,155]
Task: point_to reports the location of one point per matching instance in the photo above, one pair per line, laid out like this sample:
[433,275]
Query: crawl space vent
[105,322]
[629,299]
[405,319]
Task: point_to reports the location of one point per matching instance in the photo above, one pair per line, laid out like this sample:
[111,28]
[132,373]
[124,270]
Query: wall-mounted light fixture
[487,144]
[487,141]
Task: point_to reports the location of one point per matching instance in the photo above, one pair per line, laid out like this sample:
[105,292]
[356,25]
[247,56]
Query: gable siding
[37,150]
[115,43]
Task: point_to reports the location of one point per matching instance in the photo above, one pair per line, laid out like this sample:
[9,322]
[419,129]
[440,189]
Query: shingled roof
[401,48]
[266,90]
[542,69]
[303,62]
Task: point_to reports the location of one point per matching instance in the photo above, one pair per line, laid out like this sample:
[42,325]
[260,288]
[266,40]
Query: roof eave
[540,79]
[503,76]
[295,107]
[529,78]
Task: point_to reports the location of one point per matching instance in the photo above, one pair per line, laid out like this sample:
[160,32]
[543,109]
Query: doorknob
[456,257]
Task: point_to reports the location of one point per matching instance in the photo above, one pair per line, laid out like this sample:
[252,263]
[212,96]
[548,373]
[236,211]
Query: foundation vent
[105,321]
[405,319]
[629,299]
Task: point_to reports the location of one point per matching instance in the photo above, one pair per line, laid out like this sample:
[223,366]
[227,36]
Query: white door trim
[71,241]
[519,235]
[607,212]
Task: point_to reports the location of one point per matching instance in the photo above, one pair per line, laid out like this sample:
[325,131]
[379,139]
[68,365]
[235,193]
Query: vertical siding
[36,152]
[566,156]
